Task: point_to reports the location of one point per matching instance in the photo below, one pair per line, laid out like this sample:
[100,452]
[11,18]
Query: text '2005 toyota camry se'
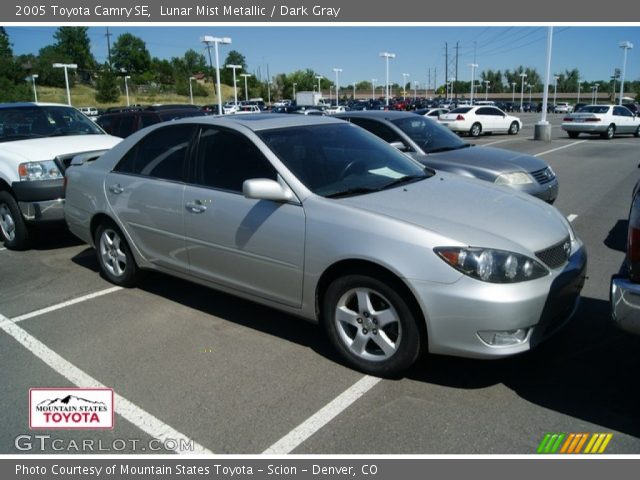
[321,219]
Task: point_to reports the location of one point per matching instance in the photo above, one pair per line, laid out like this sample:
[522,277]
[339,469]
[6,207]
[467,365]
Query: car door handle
[117,189]
[196,206]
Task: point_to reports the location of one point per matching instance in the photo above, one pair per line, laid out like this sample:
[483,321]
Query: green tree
[74,43]
[48,75]
[107,90]
[226,74]
[129,54]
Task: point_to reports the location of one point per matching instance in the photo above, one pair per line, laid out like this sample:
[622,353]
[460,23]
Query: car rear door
[146,192]
[253,246]
[624,120]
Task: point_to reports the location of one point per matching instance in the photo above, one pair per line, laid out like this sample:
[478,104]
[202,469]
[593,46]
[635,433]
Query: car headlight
[513,178]
[45,170]
[494,266]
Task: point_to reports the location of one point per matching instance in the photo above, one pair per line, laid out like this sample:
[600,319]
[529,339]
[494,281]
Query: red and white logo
[71,408]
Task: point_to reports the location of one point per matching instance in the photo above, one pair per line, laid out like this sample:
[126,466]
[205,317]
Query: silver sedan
[323,220]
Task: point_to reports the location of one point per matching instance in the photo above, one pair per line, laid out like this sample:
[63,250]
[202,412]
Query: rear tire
[610,132]
[475,130]
[114,256]
[637,132]
[573,134]
[371,325]
[13,229]
[514,128]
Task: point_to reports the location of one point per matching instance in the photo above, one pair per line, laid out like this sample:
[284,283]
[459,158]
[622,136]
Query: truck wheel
[13,228]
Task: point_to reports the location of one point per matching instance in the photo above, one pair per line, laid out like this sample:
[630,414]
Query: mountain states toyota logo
[71,408]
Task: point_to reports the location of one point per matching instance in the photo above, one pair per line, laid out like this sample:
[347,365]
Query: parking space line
[559,148]
[138,417]
[572,217]
[497,142]
[323,416]
[68,303]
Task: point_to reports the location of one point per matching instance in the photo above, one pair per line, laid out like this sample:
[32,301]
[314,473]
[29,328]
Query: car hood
[48,148]
[488,159]
[471,212]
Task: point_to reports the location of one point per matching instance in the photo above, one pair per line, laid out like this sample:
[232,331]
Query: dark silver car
[437,147]
[323,220]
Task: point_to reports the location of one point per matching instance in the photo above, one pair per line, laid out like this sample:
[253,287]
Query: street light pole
[415,90]
[354,91]
[235,85]
[126,88]
[555,89]
[66,66]
[337,72]
[387,56]
[404,86]
[625,46]
[529,86]
[473,78]
[35,92]
[522,76]
[319,77]
[246,90]
[191,89]
[373,88]
[486,89]
[513,92]
[208,40]
[595,95]
[294,89]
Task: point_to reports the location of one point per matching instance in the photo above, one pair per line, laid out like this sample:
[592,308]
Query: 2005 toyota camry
[321,219]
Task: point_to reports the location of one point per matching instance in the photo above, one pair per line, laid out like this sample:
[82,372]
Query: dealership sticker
[71,409]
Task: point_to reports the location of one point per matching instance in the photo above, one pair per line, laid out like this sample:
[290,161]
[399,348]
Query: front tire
[610,132]
[514,128]
[114,256]
[573,134]
[371,325]
[476,130]
[13,228]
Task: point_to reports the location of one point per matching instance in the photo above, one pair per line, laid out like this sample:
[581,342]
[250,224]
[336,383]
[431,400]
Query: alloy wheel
[112,255]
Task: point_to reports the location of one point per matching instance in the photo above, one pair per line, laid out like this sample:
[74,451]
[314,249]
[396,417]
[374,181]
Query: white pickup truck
[37,143]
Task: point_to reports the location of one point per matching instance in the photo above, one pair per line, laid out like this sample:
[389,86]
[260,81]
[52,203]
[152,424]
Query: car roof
[32,104]
[377,114]
[262,121]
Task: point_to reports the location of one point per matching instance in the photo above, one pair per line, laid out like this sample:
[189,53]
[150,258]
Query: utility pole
[446,64]
[456,67]
[108,35]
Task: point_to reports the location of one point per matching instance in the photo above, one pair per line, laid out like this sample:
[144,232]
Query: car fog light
[497,338]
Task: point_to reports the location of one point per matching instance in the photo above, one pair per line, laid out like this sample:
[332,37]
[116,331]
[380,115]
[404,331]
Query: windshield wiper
[448,149]
[353,191]
[404,180]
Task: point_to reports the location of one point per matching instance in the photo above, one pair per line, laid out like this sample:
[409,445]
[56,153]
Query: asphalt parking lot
[238,378]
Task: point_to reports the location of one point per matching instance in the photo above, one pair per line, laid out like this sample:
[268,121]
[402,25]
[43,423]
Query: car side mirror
[399,146]
[83,158]
[266,189]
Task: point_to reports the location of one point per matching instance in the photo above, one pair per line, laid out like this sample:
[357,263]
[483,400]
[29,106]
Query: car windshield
[430,136]
[22,123]
[341,159]
[594,109]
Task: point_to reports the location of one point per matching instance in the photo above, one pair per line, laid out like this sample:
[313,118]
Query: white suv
[37,143]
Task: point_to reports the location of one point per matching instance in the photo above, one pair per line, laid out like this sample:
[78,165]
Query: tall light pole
[387,56]
[513,92]
[208,40]
[415,90]
[625,46]
[66,66]
[404,86]
[337,72]
[318,77]
[473,78]
[529,86]
[579,86]
[354,90]
[486,89]
[595,94]
[235,85]
[373,88]
[522,76]
[246,89]
[330,88]
[294,89]
[191,89]
[126,88]
[35,92]
[555,89]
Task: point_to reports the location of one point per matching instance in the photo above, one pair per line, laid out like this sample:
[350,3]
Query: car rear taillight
[595,119]
[567,119]
[633,241]
[459,117]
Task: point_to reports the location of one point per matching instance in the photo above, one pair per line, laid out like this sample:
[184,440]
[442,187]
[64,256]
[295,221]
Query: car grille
[556,255]
[543,176]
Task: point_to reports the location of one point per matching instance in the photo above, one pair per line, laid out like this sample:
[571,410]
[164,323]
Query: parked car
[625,286]
[38,141]
[124,123]
[562,107]
[91,112]
[437,147]
[323,220]
[432,113]
[604,120]
[336,109]
[480,119]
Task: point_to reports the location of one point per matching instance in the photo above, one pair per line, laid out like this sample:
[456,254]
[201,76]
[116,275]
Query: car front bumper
[40,201]
[458,315]
[624,296]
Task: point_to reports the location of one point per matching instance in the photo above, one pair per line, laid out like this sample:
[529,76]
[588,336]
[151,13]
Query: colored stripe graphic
[572,443]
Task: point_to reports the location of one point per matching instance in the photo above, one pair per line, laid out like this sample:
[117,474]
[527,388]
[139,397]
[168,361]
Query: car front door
[624,120]
[146,192]
[252,246]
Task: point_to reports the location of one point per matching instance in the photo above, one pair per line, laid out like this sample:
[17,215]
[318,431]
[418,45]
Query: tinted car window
[147,119]
[125,127]
[161,154]
[595,109]
[430,136]
[485,111]
[622,112]
[460,110]
[378,129]
[226,159]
